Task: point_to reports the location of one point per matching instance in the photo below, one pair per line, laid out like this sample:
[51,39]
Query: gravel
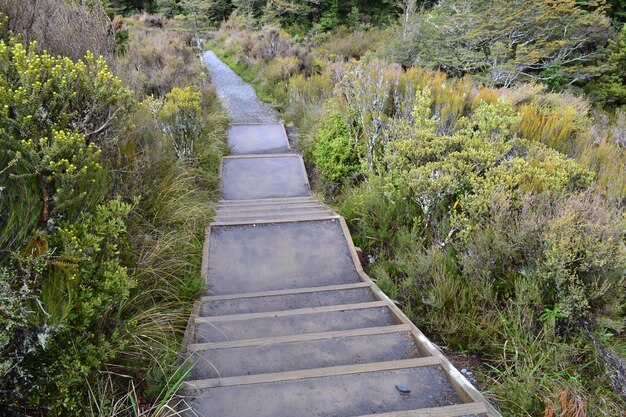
[238,97]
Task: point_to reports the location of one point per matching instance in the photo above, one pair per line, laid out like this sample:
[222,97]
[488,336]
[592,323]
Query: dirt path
[238,96]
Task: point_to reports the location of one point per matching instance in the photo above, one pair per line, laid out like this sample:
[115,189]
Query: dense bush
[101,225]
[57,115]
[489,239]
[610,88]
[65,273]
[333,151]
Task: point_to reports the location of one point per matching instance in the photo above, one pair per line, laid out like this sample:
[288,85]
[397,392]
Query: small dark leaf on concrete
[403,389]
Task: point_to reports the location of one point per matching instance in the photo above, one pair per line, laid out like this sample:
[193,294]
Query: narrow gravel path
[238,97]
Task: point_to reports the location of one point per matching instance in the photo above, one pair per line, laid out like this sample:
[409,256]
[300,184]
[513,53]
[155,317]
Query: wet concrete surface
[335,396]
[237,96]
[278,256]
[263,177]
[257,139]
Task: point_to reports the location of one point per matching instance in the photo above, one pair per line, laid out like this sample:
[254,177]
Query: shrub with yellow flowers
[62,261]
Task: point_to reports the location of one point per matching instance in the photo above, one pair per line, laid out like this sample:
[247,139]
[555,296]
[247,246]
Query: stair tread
[306,205]
[398,328]
[337,396]
[278,213]
[340,370]
[265,201]
[281,357]
[244,177]
[257,138]
[255,328]
[278,220]
[286,302]
[276,256]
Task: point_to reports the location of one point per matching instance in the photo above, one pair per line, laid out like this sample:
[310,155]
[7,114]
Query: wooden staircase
[292,325]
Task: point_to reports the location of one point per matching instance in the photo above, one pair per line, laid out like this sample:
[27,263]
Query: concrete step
[292,322]
[264,176]
[277,217]
[309,354]
[278,256]
[336,395]
[287,300]
[257,138]
[273,208]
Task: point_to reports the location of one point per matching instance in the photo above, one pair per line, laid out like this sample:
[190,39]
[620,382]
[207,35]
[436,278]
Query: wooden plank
[266,201]
[264,215]
[299,338]
[351,248]
[271,208]
[262,155]
[313,373]
[190,329]
[286,292]
[457,410]
[204,267]
[284,313]
[291,220]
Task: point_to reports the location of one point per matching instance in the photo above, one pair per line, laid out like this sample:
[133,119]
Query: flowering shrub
[63,273]
[56,116]
[180,117]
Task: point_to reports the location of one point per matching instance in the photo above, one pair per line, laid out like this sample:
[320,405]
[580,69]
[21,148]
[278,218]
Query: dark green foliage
[617,11]
[610,88]
[126,7]
[507,42]
[51,109]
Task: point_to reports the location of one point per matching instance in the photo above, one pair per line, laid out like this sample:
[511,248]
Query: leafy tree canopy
[558,43]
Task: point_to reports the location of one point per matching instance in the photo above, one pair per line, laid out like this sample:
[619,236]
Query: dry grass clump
[158,59]
[61,27]
[353,45]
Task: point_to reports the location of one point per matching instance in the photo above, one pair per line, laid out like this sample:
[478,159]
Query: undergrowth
[101,267]
[493,216]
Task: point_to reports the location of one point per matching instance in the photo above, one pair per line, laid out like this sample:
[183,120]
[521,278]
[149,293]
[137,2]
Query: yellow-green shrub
[55,117]
[333,151]
[489,239]
[63,272]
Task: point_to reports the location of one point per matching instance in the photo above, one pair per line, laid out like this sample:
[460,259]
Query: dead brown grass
[62,27]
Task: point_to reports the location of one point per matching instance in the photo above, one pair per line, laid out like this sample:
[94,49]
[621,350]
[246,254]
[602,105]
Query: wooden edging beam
[368,331]
[290,220]
[457,410]
[313,373]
